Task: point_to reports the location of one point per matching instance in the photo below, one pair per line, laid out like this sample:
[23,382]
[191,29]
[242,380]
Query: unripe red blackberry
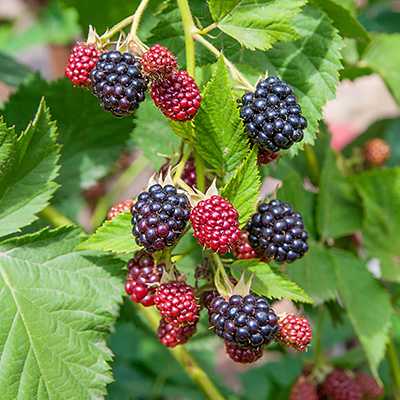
[119,208]
[176,303]
[339,386]
[278,231]
[159,217]
[177,95]
[216,224]
[171,336]
[272,116]
[247,321]
[376,152]
[82,60]
[369,387]
[244,251]
[158,61]
[141,277]
[302,390]
[265,157]
[294,332]
[243,355]
[117,80]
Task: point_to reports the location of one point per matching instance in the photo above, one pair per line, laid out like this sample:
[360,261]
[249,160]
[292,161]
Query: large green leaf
[218,135]
[27,171]
[12,73]
[242,189]
[257,24]
[57,307]
[115,235]
[380,193]
[338,211]
[367,305]
[383,57]
[268,281]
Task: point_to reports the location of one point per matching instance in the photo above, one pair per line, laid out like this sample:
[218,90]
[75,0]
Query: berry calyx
[158,61]
[177,96]
[176,303]
[278,231]
[244,251]
[119,208]
[159,217]
[141,277]
[171,336]
[216,224]
[369,387]
[294,332]
[339,386]
[243,355]
[272,116]
[117,80]
[302,390]
[82,60]
[376,152]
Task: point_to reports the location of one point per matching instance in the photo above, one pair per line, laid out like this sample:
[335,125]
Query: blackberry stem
[54,217]
[313,166]
[116,28]
[394,364]
[182,162]
[196,373]
[207,29]
[200,171]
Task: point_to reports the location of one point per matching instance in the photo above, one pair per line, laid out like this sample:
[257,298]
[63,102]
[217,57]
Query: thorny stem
[200,171]
[312,163]
[236,74]
[198,375]
[394,364]
[54,217]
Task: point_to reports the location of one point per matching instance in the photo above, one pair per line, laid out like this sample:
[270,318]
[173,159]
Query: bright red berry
[142,275]
[302,390]
[339,386]
[177,95]
[177,304]
[294,332]
[119,208]
[376,152]
[242,355]
[171,336]
[216,224]
[158,61]
[82,60]
[370,387]
[244,251]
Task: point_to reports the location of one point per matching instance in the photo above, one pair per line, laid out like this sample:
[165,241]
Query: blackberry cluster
[247,321]
[159,217]
[271,115]
[171,336]
[117,80]
[241,355]
[278,231]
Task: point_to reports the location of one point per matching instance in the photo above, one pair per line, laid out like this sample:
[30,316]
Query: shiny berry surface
[294,332]
[171,336]
[158,61]
[241,355]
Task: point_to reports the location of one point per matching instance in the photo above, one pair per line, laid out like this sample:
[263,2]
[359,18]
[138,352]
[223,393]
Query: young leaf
[269,281]
[338,211]
[367,305]
[242,189]
[57,307]
[115,235]
[256,24]
[218,135]
[27,171]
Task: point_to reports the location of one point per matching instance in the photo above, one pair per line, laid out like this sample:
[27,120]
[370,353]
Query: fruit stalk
[54,217]
[200,167]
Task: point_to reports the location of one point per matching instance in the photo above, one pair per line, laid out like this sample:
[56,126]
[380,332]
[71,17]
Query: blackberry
[339,386]
[158,61]
[294,332]
[142,275]
[272,116]
[159,217]
[241,355]
[376,152]
[302,390]
[369,387]
[117,80]
[247,321]
[171,336]
[278,231]
[265,157]
[244,251]
[119,208]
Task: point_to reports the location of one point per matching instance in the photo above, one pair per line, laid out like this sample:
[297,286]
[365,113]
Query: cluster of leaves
[61,289]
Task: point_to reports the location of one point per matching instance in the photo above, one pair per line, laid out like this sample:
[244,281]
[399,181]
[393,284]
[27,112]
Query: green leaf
[27,171]
[242,189]
[57,307]
[115,235]
[256,24]
[382,56]
[380,193]
[268,281]
[367,305]
[315,273]
[219,136]
[182,129]
[343,19]
[12,73]
[338,211]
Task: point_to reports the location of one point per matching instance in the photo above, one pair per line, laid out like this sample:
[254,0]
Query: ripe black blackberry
[159,217]
[278,231]
[247,321]
[271,115]
[118,81]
